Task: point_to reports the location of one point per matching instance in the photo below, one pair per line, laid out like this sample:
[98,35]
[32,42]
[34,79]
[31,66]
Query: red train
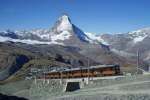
[93,71]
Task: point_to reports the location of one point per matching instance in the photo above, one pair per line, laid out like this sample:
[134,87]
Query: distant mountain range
[127,44]
[68,42]
[65,33]
[60,33]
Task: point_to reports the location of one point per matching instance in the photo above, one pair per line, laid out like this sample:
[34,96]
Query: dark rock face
[80,34]
[19,62]
[5,97]
[10,34]
[13,64]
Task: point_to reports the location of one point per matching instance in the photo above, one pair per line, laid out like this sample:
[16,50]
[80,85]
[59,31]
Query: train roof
[91,67]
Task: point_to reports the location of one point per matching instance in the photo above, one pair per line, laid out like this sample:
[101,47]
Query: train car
[92,71]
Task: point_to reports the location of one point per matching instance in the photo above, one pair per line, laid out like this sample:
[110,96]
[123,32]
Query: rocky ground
[123,88]
[127,88]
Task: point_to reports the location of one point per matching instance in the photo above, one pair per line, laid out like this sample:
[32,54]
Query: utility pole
[61,77]
[137,61]
[88,70]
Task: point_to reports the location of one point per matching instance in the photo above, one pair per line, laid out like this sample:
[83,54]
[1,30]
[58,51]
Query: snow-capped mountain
[139,35]
[127,44]
[63,33]
[113,40]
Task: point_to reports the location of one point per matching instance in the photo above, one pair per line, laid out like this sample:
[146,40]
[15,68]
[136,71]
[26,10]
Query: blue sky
[98,16]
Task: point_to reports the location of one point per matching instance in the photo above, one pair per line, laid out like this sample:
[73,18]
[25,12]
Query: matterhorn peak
[64,23]
[65,18]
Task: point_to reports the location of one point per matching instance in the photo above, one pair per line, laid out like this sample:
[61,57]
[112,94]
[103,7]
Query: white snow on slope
[62,36]
[27,41]
[46,35]
[139,35]
[141,32]
[95,38]
[65,24]
[4,39]
[42,33]
[139,39]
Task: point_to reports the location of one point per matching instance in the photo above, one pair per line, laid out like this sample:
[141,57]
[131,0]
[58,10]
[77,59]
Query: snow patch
[65,23]
[28,41]
[45,36]
[62,36]
[138,39]
[4,39]
[135,32]
[42,33]
[95,38]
